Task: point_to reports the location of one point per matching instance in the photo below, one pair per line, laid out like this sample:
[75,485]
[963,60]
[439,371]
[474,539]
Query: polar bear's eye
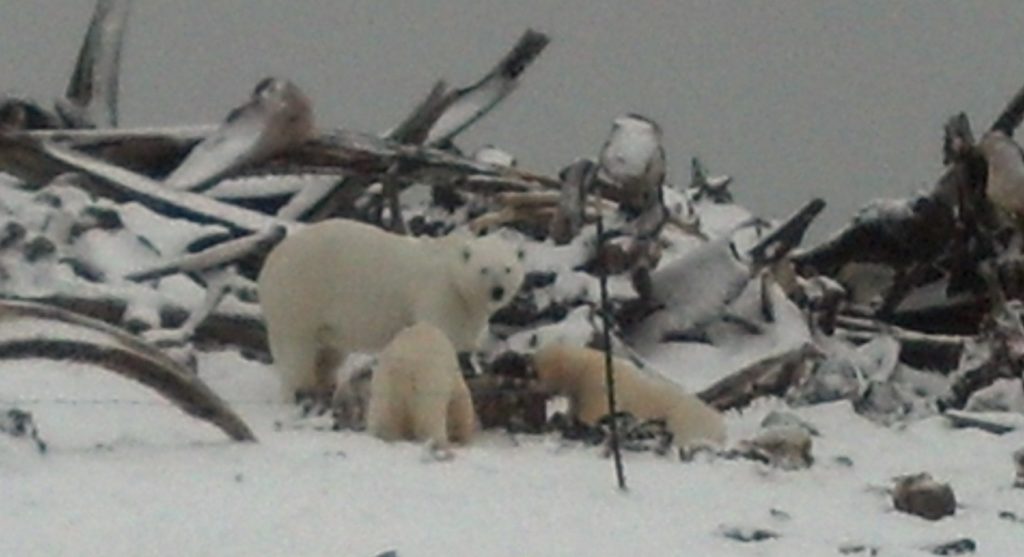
[465,254]
[508,270]
[520,254]
[484,271]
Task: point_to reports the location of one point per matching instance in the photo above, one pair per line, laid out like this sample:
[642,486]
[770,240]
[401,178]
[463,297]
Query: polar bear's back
[580,373]
[347,276]
[424,360]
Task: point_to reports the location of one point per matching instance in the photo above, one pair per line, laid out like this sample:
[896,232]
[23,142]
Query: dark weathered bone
[91,96]
[474,102]
[121,353]
[768,377]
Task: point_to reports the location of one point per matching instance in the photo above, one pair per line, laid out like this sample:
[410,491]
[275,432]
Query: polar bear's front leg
[462,422]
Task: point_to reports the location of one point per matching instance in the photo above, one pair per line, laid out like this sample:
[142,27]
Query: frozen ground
[126,474]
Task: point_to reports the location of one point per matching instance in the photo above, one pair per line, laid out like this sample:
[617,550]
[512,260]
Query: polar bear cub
[417,392]
[341,286]
[579,374]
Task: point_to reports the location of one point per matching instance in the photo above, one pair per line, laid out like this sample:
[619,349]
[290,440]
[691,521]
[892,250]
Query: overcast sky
[795,98]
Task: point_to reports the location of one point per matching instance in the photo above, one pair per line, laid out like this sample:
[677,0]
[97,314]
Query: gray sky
[795,98]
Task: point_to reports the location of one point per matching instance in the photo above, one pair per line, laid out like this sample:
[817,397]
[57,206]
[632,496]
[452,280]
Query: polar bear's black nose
[497,293]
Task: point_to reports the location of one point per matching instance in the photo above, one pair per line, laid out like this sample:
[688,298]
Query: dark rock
[955,547]
[786,447]
[922,496]
[843,460]
[19,423]
[858,549]
[748,534]
[776,418]
[1011,516]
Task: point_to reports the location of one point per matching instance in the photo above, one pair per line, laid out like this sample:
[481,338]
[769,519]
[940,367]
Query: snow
[127,473]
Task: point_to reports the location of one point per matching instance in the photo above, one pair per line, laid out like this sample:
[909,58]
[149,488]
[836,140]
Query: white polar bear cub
[341,286]
[417,392]
[579,374]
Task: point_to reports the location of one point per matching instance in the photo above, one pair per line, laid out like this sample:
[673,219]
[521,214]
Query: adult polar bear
[341,286]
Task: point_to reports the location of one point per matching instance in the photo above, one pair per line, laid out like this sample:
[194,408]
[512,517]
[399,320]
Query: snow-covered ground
[128,474]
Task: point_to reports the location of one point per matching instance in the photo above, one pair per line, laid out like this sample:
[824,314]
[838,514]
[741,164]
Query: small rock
[843,460]
[747,534]
[776,418]
[920,495]
[1011,516]
[858,549]
[955,547]
[19,423]
[788,447]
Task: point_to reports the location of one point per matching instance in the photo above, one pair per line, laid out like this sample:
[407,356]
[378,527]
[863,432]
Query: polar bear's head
[488,272]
